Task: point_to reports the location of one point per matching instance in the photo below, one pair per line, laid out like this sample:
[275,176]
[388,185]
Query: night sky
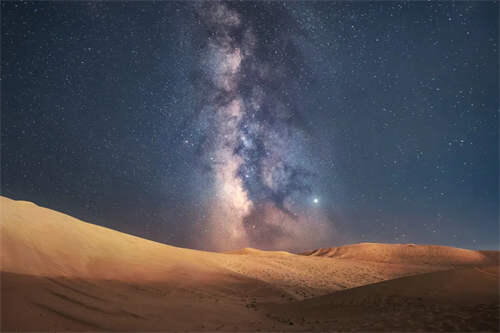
[286,125]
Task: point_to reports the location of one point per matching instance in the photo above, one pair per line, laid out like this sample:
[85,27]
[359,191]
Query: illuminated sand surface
[59,273]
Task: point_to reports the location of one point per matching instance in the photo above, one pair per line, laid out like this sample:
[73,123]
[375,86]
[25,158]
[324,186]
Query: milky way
[253,144]
[272,124]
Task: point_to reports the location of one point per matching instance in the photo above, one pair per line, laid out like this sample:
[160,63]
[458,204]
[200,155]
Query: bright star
[316,200]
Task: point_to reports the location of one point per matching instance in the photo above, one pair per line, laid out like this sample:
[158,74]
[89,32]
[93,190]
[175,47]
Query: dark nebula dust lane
[272,124]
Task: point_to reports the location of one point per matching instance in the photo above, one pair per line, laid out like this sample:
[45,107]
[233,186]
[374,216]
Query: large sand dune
[59,273]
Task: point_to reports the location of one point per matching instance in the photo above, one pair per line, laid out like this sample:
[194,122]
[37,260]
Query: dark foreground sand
[59,273]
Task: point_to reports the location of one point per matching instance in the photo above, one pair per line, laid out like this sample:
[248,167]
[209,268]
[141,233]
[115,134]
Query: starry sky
[279,125]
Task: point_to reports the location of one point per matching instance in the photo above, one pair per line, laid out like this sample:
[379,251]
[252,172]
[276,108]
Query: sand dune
[43,242]
[59,273]
[405,253]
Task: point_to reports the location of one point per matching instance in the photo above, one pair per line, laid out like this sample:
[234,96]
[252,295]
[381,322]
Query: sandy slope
[40,241]
[59,273]
[464,299]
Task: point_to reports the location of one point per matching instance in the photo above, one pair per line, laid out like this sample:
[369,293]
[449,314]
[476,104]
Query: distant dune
[405,253]
[59,273]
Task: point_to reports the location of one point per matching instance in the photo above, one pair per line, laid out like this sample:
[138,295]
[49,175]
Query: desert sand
[60,273]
